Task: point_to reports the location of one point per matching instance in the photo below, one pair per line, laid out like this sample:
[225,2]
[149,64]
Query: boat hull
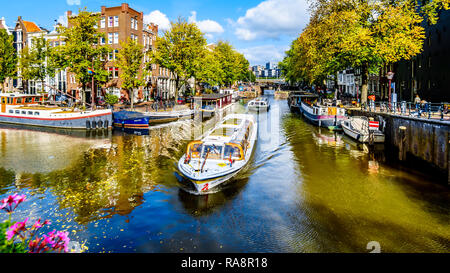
[122,120]
[363,138]
[86,122]
[206,185]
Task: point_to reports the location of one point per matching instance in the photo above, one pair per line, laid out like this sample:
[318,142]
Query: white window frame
[103,22]
[116,21]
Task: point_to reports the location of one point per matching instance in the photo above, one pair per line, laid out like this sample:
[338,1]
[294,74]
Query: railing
[440,111]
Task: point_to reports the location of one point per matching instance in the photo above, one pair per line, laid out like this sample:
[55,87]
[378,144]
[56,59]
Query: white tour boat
[221,154]
[260,104]
[363,130]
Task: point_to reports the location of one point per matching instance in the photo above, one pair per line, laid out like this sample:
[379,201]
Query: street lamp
[390,76]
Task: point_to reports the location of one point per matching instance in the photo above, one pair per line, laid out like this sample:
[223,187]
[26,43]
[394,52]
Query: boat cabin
[15,99]
[213,101]
[227,142]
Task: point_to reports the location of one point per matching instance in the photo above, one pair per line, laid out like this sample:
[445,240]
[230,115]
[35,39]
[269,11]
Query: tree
[229,62]
[82,52]
[24,66]
[180,50]
[8,57]
[129,61]
[39,66]
[208,69]
[358,34]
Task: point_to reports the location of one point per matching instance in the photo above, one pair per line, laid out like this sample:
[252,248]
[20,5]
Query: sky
[260,29]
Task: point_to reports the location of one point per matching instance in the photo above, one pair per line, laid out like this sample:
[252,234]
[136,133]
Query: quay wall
[424,139]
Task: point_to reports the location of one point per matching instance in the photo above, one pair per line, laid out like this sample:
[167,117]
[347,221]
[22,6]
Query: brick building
[119,24]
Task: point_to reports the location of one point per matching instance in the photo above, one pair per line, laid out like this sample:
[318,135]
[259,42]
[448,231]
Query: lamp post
[390,76]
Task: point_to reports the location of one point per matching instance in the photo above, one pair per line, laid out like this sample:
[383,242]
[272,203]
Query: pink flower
[58,240]
[37,225]
[38,245]
[10,203]
[16,229]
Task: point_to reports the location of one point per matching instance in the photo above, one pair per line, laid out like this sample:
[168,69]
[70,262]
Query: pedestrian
[417,100]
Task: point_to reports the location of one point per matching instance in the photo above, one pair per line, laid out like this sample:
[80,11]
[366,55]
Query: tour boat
[168,116]
[221,154]
[363,130]
[24,109]
[130,120]
[260,104]
[322,115]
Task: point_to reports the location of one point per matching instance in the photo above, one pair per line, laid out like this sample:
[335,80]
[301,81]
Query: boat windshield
[232,121]
[212,151]
[233,151]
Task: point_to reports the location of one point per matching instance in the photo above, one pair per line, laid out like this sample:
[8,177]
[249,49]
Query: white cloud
[272,19]
[265,53]
[159,19]
[73,2]
[209,27]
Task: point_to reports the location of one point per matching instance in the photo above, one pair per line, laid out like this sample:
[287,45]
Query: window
[11,111]
[110,21]
[102,40]
[116,38]
[110,38]
[103,22]
[24,112]
[36,113]
[116,21]
[116,72]
[17,112]
[30,113]
[116,52]
[110,56]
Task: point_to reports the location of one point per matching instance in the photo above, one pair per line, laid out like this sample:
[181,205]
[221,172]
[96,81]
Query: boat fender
[358,136]
[106,124]
[88,124]
[94,124]
[100,124]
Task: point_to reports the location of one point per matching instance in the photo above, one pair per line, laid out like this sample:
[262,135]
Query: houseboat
[209,104]
[221,154]
[30,110]
[321,115]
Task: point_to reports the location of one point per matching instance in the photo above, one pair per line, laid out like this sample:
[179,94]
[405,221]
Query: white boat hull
[361,137]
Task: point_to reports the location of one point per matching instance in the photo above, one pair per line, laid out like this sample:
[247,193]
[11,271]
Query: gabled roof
[31,27]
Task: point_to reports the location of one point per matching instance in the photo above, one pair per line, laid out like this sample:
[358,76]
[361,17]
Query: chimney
[103,10]
[69,13]
[124,7]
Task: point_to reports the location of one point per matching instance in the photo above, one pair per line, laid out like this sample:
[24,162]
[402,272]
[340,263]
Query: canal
[306,190]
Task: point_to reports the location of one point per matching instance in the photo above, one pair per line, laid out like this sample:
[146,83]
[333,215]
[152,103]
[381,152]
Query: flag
[91,71]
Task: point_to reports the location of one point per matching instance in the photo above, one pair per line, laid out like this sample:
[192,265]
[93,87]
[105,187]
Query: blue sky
[261,29]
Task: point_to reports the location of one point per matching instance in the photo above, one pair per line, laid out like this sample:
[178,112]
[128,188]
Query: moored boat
[24,109]
[363,130]
[260,104]
[168,116]
[221,154]
[321,115]
[130,120]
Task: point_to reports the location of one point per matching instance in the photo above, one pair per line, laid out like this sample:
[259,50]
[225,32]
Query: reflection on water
[306,190]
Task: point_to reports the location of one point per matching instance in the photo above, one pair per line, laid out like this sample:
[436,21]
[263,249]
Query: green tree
[229,62]
[129,61]
[82,51]
[39,65]
[24,66]
[208,69]
[179,50]
[8,57]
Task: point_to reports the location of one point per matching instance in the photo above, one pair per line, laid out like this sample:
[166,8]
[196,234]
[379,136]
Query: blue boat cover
[126,115]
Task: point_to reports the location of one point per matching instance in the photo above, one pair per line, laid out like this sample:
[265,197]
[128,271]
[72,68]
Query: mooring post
[402,143]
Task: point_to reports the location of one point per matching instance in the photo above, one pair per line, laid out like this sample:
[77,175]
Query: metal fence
[426,110]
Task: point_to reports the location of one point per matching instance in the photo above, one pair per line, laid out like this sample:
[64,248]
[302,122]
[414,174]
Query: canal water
[306,190]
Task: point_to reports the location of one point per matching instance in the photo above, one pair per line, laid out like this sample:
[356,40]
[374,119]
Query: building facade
[427,74]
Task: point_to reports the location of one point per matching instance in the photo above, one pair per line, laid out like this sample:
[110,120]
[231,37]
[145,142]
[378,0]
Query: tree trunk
[177,86]
[83,95]
[364,83]
[131,91]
